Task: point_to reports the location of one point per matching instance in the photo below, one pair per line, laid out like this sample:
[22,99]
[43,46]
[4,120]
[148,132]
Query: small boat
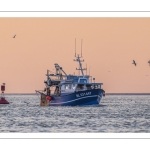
[2,98]
[62,89]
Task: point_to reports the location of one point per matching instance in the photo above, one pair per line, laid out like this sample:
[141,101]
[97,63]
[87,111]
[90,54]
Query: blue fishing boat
[70,90]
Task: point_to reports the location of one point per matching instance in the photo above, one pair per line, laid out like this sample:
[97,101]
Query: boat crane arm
[59,68]
[63,71]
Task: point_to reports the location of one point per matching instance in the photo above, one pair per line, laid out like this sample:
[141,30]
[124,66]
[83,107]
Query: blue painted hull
[81,98]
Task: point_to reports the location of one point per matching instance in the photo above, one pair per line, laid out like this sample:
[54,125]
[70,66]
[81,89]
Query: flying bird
[134,62]
[149,62]
[14,36]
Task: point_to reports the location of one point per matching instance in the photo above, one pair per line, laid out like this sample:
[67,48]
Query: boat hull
[81,98]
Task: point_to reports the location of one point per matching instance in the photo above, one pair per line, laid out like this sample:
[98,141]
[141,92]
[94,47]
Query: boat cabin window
[99,86]
[73,86]
[96,86]
[89,86]
[80,87]
[67,87]
[83,81]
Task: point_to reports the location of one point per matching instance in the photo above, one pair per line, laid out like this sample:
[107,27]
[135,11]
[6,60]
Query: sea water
[116,114]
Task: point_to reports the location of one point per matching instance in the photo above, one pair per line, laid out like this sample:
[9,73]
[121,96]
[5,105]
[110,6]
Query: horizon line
[105,93]
[74,11]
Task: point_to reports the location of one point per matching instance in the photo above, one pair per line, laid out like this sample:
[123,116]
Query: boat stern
[43,100]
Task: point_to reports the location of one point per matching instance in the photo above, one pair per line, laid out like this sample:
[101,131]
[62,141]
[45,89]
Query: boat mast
[75,48]
[79,60]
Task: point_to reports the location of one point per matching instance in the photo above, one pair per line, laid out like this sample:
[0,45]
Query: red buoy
[2,88]
[3,101]
[2,98]
[48,98]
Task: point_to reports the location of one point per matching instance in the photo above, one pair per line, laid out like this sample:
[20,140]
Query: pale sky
[109,44]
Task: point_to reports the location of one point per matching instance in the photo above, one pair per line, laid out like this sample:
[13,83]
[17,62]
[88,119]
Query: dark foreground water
[117,113]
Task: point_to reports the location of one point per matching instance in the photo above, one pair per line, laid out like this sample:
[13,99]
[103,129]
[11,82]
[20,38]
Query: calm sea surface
[117,113]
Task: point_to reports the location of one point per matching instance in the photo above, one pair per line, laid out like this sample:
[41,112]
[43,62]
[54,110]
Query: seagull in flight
[134,62]
[14,36]
[149,62]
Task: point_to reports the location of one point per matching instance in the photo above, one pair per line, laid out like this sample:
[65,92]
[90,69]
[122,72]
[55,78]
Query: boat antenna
[89,70]
[81,47]
[75,47]
[79,70]
[80,61]
[86,69]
